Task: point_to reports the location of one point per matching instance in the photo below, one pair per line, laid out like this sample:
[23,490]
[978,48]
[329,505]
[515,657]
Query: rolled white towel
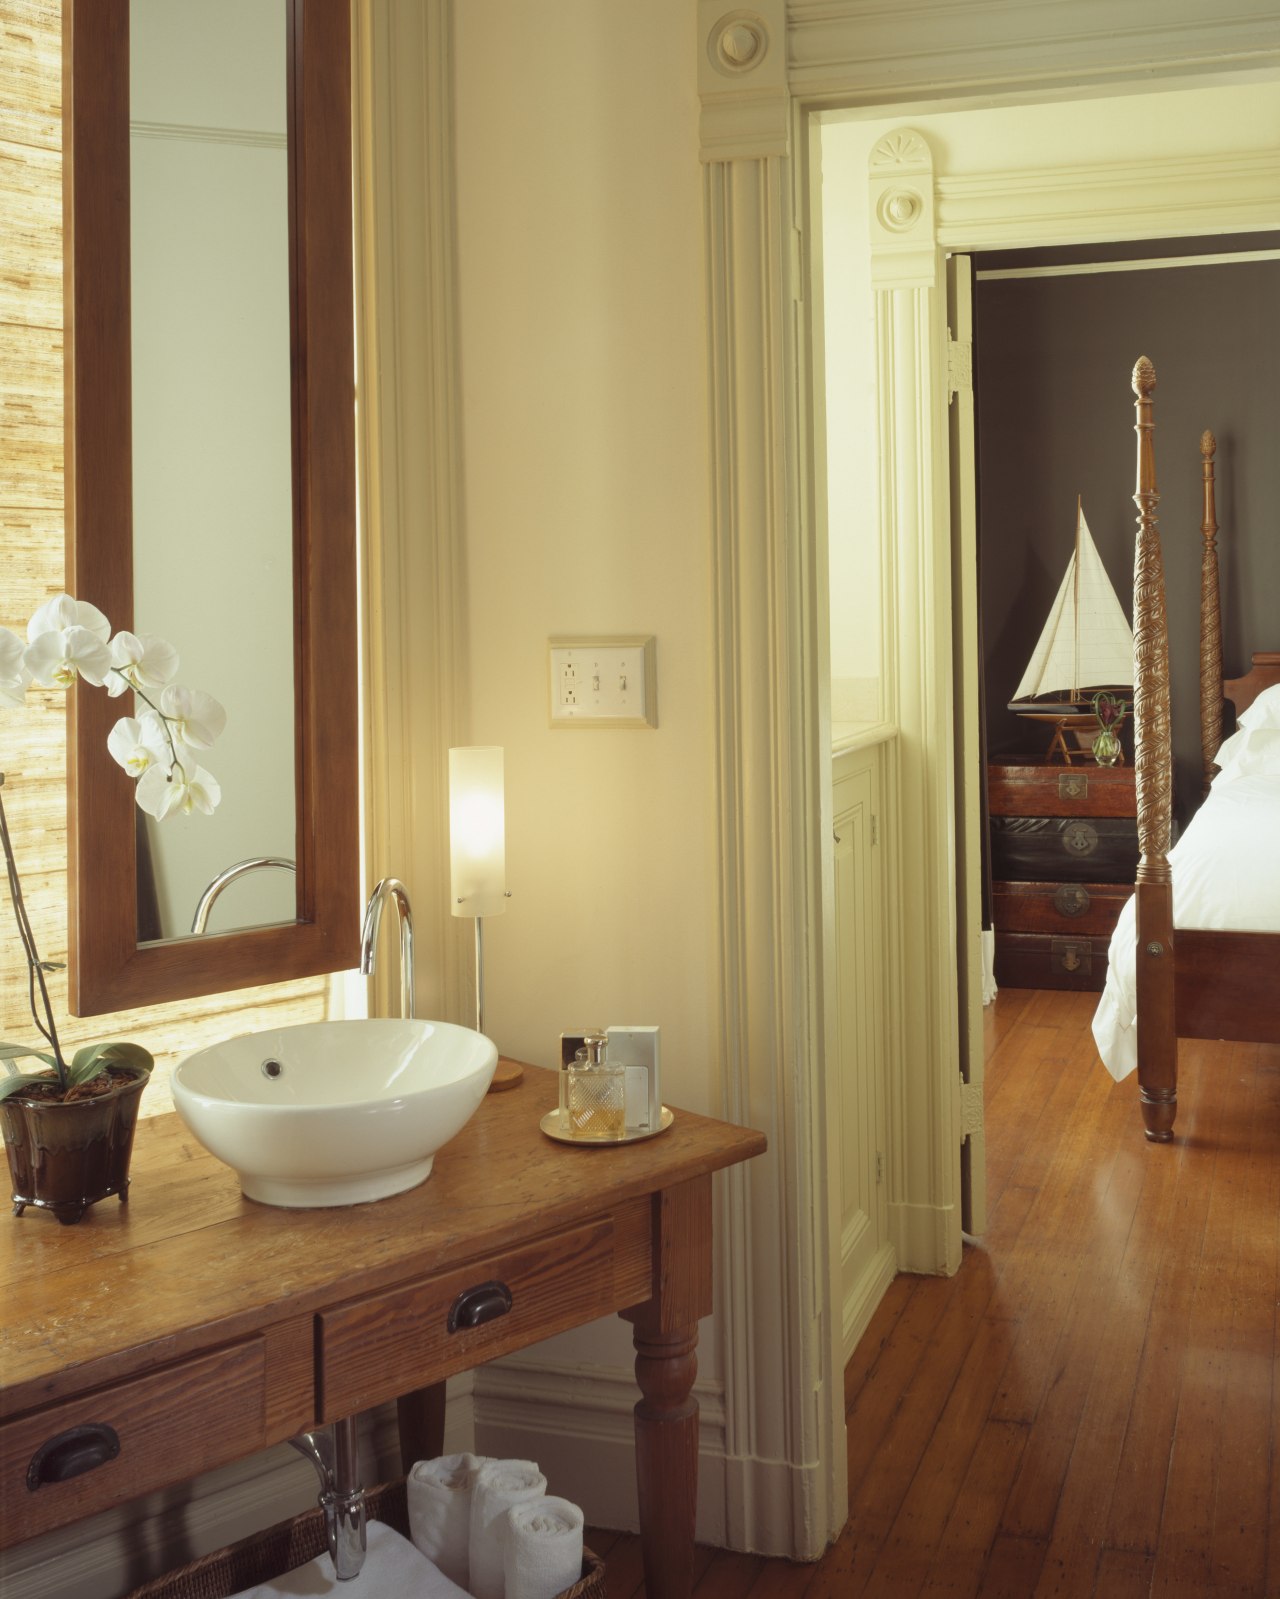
[393,1569]
[500,1484]
[543,1553]
[439,1496]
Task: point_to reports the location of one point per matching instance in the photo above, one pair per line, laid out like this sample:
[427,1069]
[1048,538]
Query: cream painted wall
[1014,139]
[586,486]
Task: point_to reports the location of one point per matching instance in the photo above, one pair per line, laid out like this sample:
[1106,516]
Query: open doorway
[1032,177]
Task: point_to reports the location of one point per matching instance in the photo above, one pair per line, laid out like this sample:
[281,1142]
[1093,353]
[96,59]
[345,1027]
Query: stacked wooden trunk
[1064,849]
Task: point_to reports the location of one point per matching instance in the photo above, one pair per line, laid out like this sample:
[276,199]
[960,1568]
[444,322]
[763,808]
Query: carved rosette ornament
[904,147]
[738,43]
[901,194]
[1210,618]
[1153,756]
[899,210]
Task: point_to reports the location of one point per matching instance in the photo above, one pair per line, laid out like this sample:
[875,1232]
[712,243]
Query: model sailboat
[1086,646]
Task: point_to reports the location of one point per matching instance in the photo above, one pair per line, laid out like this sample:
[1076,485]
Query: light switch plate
[604,681]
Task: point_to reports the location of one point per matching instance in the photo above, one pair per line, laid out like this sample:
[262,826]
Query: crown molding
[1185,196]
[869,51]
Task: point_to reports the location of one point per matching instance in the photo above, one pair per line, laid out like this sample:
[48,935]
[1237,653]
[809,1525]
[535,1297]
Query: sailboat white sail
[1086,643]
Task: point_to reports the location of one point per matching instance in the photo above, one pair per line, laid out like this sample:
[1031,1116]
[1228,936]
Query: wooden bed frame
[1190,984]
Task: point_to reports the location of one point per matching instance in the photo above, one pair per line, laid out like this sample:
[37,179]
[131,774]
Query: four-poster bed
[1218,975]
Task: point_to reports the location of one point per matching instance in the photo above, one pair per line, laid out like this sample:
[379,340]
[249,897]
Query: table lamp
[478,857]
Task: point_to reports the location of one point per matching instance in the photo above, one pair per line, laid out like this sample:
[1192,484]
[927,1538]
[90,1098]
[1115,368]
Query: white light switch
[604,682]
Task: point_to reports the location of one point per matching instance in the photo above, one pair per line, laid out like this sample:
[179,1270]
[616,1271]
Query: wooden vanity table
[200,1327]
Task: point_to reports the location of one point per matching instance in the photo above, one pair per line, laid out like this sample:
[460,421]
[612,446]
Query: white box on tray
[636,1048]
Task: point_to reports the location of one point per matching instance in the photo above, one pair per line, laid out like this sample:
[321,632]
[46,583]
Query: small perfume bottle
[593,1094]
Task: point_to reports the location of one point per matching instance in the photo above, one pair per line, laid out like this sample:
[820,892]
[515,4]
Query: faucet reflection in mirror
[96,1092]
[478,857]
[255,863]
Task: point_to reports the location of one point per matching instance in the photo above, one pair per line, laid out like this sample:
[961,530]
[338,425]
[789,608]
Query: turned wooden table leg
[666,1418]
[420,1416]
[667,1459]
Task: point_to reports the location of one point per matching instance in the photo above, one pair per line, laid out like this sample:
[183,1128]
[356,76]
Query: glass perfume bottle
[593,1094]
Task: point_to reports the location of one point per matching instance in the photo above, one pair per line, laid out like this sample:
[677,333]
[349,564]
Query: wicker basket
[269,1554]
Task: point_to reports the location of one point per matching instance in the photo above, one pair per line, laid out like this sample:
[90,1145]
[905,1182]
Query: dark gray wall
[1055,419]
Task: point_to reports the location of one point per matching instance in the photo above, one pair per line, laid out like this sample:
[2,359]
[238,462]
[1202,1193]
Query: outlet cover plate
[599,681]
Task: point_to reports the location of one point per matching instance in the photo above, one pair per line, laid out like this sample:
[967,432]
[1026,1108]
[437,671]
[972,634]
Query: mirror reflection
[213,491]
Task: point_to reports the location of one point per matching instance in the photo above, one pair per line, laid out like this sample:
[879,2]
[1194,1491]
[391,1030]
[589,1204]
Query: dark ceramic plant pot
[64,1158]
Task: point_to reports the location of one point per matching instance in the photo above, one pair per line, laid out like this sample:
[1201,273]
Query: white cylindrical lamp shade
[477,831]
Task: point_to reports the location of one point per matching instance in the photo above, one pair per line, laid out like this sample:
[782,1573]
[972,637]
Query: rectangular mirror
[210,467]
[210,350]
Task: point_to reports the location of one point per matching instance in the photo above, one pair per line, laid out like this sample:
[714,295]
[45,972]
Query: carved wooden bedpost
[1153,763]
[1210,618]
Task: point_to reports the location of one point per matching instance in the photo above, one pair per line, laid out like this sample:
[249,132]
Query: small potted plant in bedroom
[69,1124]
[1111,712]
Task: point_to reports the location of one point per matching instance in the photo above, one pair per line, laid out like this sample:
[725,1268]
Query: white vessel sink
[334,1113]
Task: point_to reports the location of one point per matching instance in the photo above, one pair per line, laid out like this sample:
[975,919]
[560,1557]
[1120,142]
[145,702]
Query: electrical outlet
[604,682]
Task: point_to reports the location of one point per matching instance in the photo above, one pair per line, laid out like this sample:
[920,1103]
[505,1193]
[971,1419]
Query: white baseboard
[926,1238]
[864,1295]
[773,1507]
[108,1554]
[576,1422]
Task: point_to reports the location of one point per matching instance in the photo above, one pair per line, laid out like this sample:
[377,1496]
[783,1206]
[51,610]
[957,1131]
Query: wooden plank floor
[1088,1409]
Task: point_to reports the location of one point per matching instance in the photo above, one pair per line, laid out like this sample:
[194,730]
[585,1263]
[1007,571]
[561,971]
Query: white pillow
[1264,712]
[1251,752]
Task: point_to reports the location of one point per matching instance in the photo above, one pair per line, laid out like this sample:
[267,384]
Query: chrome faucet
[229,875]
[390,888]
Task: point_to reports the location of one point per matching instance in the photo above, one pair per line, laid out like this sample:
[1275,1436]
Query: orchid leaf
[93,1059]
[21,1051]
[84,1071]
[23,1082]
[123,1053]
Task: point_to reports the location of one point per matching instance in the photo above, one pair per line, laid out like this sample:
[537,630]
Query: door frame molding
[766,72]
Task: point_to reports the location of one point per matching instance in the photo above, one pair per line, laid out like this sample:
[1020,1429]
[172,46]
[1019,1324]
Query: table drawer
[1069,910]
[1083,790]
[1043,960]
[376,1348]
[1061,849]
[153,1431]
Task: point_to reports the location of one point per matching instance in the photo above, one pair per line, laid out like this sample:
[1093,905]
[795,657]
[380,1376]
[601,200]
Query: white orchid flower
[140,660]
[194,717]
[62,613]
[14,676]
[163,794]
[55,658]
[139,743]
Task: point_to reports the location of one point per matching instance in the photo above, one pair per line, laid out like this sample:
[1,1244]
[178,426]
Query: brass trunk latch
[1072,955]
[1080,839]
[1071,900]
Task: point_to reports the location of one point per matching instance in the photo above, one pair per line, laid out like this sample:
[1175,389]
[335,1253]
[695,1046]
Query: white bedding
[1226,874]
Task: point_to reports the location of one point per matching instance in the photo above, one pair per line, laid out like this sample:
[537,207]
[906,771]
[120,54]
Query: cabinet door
[860,1059]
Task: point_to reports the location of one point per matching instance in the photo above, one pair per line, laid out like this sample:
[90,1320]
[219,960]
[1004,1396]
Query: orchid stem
[35,966]
[164,720]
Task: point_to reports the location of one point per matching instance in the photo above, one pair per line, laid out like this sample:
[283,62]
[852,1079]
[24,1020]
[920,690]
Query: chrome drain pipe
[335,1454]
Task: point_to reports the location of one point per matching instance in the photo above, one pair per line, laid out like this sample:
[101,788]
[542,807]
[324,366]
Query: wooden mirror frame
[109,970]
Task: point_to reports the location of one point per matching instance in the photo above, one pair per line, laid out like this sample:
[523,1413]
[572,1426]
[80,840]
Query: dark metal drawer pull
[474,1306]
[77,1450]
